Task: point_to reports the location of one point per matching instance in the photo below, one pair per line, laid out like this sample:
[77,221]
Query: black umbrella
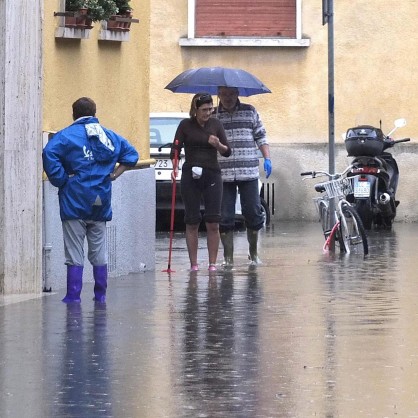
[208,79]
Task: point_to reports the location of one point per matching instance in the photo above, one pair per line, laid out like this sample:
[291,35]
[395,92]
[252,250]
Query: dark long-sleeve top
[194,139]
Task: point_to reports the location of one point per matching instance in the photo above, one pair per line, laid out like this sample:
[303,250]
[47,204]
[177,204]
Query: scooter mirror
[400,123]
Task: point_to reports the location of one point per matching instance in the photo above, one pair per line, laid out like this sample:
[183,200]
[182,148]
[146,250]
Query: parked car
[163,127]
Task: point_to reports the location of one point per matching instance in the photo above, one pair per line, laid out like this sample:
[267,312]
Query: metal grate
[268,195]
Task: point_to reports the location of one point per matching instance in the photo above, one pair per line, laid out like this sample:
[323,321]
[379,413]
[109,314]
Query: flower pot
[81,18]
[113,24]
[70,21]
[126,25]
[88,23]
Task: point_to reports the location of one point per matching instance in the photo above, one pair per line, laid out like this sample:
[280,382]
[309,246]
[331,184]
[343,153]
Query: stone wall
[293,196]
[20,146]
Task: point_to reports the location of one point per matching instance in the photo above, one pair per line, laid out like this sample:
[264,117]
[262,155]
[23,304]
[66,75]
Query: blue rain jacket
[85,187]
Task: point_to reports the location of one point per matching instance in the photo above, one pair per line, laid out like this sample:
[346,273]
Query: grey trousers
[75,231]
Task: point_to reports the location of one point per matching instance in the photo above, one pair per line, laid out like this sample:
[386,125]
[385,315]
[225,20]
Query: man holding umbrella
[246,134]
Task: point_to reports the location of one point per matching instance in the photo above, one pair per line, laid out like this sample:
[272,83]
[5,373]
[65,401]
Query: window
[244,23]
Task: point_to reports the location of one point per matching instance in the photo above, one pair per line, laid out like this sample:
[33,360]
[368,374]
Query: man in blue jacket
[81,161]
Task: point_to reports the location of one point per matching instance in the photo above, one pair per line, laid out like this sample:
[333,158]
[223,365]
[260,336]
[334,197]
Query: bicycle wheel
[323,217]
[352,234]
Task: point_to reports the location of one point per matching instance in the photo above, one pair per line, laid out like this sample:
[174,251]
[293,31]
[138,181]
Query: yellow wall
[114,74]
[375,68]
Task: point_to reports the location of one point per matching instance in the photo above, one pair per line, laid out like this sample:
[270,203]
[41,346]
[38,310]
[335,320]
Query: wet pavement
[305,334]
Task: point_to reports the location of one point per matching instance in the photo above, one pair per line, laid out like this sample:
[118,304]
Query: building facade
[45,66]
[372,82]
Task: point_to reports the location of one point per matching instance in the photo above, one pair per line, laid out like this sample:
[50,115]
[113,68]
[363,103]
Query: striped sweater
[245,133]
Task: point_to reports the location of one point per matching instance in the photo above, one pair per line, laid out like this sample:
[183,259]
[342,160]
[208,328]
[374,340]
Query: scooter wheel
[364,211]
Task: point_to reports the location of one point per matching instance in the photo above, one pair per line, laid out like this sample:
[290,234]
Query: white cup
[197,172]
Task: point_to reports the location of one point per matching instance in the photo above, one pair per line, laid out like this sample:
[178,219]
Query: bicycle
[341,224]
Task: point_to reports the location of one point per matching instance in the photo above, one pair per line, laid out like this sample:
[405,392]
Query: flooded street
[305,334]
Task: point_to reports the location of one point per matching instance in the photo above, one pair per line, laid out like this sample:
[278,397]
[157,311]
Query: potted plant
[79,9]
[125,10]
[123,6]
[71,6]
[100,9]
[112,23]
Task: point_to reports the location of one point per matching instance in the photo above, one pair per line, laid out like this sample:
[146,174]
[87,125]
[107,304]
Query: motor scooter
[377,173]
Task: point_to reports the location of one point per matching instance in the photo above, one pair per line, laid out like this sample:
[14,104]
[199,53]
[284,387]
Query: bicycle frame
[339,220]
[333,226]
[330,241]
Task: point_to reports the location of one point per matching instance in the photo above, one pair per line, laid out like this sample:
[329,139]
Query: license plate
[362,189]
[165,164]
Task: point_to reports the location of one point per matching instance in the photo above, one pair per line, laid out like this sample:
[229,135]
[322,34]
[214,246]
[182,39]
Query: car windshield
[162,130]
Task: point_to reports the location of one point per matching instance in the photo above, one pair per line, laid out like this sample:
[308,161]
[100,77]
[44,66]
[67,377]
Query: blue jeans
[250,205]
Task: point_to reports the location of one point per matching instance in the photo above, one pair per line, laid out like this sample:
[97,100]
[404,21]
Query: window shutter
[256,18]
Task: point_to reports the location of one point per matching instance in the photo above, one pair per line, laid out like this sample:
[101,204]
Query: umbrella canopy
[208,79]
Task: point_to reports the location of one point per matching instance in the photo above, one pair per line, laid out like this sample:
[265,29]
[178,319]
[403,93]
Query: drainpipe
[46,243]
[46,230]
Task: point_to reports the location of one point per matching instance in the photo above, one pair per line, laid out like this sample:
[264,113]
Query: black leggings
[209,186]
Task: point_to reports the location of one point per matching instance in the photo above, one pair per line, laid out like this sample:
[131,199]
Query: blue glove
[267,167]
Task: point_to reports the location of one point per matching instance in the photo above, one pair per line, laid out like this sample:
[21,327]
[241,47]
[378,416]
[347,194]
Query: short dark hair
[234,89]
[84,106]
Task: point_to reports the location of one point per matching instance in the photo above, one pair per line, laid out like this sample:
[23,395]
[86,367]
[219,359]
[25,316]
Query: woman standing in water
[202,137]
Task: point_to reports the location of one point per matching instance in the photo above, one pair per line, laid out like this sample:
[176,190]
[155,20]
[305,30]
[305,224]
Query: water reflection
[368,287]
[361,303]
[85,376]
[305,335]
[221,346]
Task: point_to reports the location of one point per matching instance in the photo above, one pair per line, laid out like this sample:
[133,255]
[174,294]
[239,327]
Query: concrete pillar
[20,146]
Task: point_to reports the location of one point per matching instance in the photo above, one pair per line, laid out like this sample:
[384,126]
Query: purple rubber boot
[74,284]
[100,283]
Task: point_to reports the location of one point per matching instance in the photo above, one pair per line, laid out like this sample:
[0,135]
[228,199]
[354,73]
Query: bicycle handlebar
[314,174]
